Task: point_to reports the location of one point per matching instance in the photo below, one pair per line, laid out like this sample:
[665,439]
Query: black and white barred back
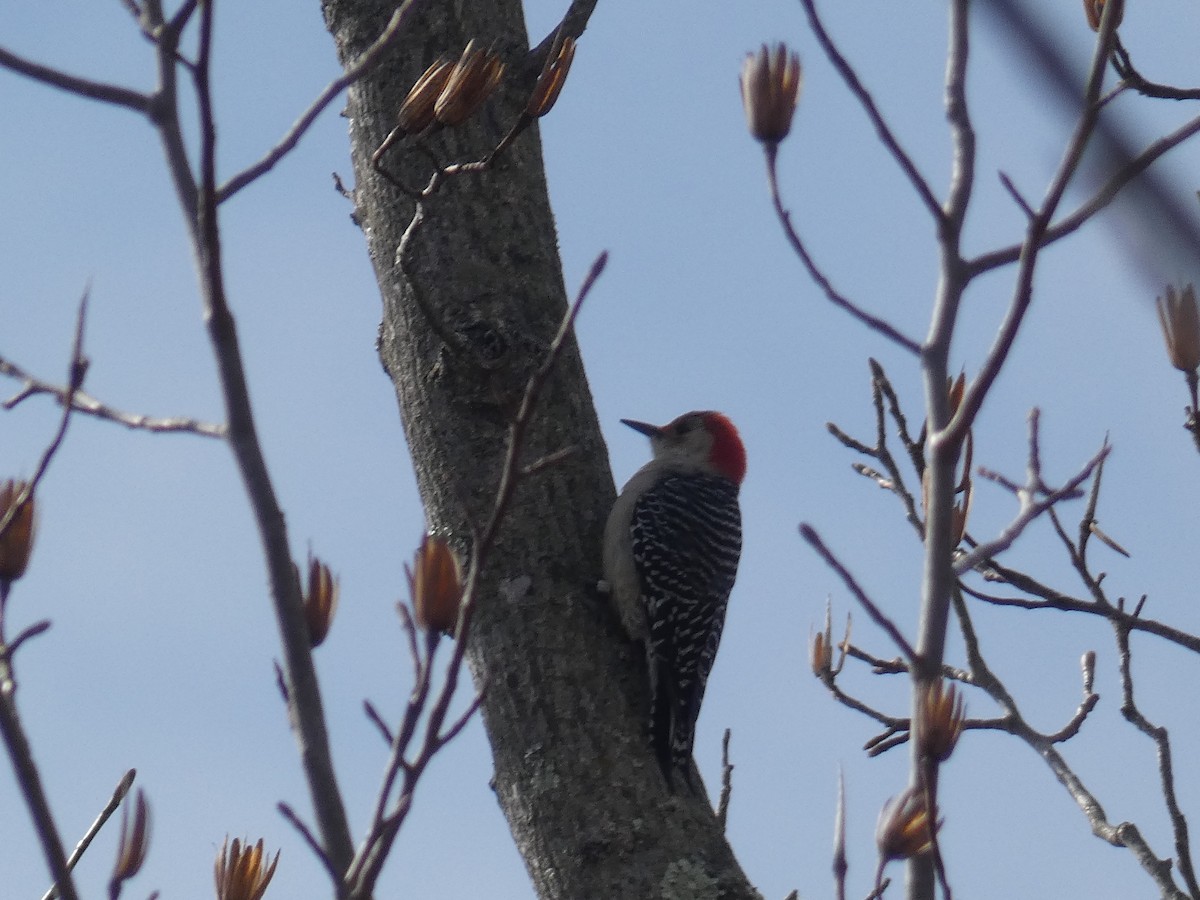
[687,539]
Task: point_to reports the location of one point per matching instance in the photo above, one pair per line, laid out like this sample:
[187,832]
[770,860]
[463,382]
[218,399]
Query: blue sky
[147,562]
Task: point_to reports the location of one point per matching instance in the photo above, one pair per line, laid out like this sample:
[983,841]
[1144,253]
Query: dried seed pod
[416,112]
[16,542]
[134,842]
[240,871]
[320,601]
[471,81]
[1180,321]
[941,712]
[771,81]
[905,827]
[436,585]
[551,80]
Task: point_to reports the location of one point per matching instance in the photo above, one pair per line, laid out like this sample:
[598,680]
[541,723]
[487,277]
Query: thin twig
[366,61]
[884,132]
[89,405]
[73,84]
[1134,80]
[1030,510]
[311,839]
[810,535]
[1035,233]
[1162,741]
[1124,834]
[377,721]
[451,339]
[873,322]
[10,649]
[76,371]
[114,802]
[1016,195]
[1131,169]
[200,201]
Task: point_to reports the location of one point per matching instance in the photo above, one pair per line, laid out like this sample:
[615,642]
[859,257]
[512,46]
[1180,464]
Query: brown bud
[551,80]
[16,541]
[771,81]
[1094,9]
[905,828]
[820,649]
[1180,320]
[436,585]
[134,842]
[471,81]
[941,712]
[320,601]
[820,654]
[416,112]
[240,871]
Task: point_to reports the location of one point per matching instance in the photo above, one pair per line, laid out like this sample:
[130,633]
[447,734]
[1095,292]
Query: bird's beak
[643,427]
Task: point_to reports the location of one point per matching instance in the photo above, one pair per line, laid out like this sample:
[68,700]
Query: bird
[672,544]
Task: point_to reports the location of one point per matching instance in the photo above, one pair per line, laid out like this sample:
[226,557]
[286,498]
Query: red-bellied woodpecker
[671,549]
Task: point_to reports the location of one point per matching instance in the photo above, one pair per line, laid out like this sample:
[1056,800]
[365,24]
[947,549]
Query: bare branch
[114,802]
[377,721]
[961,131]
[1035,233]
[1134,81]
[89,405]
[309,838]
[886,137]
[1031,508]
[356,70]
[451,339]
[1126,173]
[75,374]
[1016,195]
[873,322]
[9,650]
[810,535]
[200,203]
[73,84]
[1124,834]
[1162,741]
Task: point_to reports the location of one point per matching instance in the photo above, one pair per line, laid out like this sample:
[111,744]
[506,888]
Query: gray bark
[564,706]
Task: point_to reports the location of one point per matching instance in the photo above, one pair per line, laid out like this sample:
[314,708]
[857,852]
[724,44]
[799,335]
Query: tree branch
[73,84]
[352,73]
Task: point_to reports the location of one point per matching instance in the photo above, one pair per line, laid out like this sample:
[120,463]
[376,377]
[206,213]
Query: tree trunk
[564,706]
